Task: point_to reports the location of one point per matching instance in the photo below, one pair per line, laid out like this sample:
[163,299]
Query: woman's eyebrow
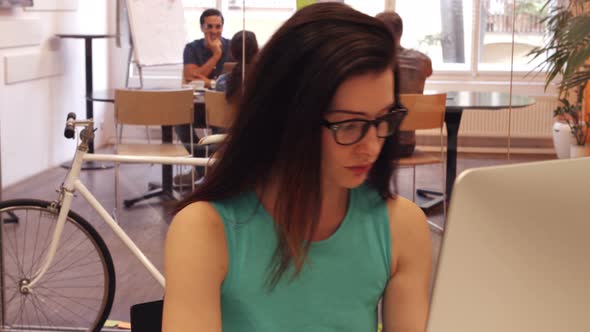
[346,112]
[389,106]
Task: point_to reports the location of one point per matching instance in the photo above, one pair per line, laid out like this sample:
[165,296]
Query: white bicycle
[56,273]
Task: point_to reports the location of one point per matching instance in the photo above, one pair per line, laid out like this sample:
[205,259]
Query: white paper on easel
[157,30]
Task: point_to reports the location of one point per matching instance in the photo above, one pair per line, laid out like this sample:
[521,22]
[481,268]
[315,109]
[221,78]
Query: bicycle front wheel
[76,292]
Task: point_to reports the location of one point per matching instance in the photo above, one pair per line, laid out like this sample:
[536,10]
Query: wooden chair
[424,112]
[218,113]
[151,108]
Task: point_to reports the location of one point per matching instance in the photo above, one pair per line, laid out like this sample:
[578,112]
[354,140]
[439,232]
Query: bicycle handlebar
[70,131]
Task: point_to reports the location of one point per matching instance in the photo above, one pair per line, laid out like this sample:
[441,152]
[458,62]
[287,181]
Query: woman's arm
[195,264]
[406,298]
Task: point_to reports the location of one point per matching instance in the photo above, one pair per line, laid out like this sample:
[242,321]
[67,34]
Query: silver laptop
[516,251]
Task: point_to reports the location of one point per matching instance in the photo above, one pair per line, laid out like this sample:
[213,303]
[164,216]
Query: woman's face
[364,97]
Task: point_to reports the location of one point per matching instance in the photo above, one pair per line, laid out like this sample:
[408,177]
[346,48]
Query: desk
[166,188]
[457,101]
[89,87]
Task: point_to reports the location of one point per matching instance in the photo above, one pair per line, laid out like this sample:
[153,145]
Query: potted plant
[567,51]
[578,123]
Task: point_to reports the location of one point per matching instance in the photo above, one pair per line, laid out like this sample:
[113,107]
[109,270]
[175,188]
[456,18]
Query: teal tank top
[339,286]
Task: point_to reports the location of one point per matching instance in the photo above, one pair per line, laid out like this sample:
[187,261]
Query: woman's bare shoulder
[197,226]
[410,235]
[197,216]
[404,213]
[195,265]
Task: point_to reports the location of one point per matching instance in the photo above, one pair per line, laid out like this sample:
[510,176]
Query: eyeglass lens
[353,131]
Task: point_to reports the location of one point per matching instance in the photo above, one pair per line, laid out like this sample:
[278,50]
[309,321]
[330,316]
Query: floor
[147,223]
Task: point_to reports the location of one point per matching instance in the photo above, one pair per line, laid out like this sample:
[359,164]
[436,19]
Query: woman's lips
[359,169]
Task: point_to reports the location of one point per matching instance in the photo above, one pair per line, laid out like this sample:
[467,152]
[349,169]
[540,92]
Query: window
[496,31]
[466,37]
[473,35]
[192,13]
[263,17]
[262,4]
[446,38]
[198,3]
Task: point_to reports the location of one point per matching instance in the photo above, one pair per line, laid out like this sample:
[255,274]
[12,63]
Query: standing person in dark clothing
[414,68]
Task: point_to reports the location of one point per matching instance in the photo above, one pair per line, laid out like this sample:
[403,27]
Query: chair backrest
[424,111]
[154,107]
[218,112]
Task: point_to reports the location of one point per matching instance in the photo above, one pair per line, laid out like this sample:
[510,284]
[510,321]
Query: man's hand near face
[214,44]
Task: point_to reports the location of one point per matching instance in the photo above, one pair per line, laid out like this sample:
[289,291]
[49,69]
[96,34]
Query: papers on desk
[117,324]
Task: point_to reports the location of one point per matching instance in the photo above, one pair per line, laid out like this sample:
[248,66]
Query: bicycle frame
[73,184]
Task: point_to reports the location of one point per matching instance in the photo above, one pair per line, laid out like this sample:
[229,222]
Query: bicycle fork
[66,197]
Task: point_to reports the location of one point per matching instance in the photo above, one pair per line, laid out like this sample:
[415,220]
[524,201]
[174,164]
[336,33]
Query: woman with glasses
[297,227]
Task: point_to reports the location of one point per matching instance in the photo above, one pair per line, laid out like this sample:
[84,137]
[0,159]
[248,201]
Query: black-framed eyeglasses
[351,131]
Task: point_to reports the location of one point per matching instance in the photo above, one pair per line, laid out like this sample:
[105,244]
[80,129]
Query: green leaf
[567,46]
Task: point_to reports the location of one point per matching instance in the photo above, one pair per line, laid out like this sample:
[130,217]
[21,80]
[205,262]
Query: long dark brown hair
[244,57]
[277,134]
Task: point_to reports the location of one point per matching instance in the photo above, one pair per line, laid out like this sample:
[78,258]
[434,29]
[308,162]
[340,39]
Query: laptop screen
[515,254]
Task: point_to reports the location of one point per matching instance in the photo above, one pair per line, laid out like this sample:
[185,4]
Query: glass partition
[497,34]
[446,39]
[473,45]
[479,53]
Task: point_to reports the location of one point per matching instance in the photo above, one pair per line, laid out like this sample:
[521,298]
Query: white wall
[33,111]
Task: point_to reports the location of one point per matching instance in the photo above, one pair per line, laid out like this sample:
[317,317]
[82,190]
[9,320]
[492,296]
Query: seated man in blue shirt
[204,58]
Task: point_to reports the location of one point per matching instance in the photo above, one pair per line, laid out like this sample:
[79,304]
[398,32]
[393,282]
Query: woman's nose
[371,143]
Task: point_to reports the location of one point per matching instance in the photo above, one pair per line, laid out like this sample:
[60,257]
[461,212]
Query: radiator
[533,121]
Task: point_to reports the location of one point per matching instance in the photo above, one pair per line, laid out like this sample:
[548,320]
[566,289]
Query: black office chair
[147,317]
